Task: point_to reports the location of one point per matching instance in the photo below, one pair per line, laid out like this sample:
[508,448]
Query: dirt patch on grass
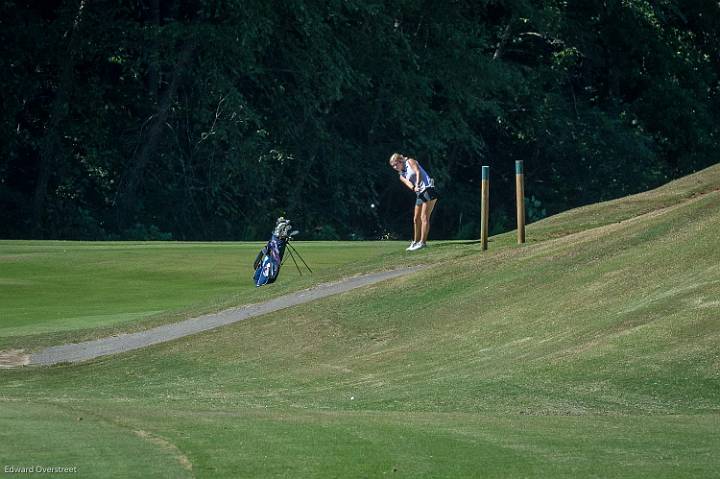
[168,446]
[13,358]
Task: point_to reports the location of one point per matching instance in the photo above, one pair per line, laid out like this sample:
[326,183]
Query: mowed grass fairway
[48,288]
[591,351]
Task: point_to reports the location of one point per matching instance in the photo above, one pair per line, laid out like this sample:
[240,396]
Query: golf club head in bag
[282,228]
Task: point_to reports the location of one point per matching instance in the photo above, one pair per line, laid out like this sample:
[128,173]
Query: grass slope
[589,352]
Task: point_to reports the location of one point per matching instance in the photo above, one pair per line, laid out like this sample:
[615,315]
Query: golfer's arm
[407,182]
[413,164]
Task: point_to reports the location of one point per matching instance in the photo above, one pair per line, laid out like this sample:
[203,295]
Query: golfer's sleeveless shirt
[409,174]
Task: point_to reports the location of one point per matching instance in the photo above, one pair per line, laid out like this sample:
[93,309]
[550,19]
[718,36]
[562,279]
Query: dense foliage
[198,119]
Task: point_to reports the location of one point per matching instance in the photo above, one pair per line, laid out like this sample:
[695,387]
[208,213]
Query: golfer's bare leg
[417,223]
[426,211]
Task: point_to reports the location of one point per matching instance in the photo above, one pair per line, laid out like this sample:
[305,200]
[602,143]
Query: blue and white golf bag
[268,261]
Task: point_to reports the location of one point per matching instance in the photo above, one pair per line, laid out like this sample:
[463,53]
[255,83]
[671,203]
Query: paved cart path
[127,342]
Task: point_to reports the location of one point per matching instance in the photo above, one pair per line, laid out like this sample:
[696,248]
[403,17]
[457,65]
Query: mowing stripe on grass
[128,342]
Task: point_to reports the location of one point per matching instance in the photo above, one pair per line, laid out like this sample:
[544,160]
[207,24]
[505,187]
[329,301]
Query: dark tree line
[199,119]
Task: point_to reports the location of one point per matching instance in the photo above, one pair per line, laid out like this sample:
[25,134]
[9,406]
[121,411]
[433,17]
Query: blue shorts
[428,194]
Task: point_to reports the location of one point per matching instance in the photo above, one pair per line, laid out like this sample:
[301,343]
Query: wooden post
[485,207]
[520,200]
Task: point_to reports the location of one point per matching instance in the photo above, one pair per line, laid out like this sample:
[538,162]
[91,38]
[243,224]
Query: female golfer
[416,178]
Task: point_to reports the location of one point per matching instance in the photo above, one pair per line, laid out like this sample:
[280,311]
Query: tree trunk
[126,197]
[50,149]
[154,61]
[500,50]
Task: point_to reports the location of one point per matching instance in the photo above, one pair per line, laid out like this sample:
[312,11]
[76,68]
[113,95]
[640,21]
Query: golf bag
[270,258]
[268,261]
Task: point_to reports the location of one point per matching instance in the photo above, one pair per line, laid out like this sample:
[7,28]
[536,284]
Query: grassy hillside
[591,351]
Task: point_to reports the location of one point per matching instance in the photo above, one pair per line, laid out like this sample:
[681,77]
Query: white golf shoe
[417,246]
[410,248]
